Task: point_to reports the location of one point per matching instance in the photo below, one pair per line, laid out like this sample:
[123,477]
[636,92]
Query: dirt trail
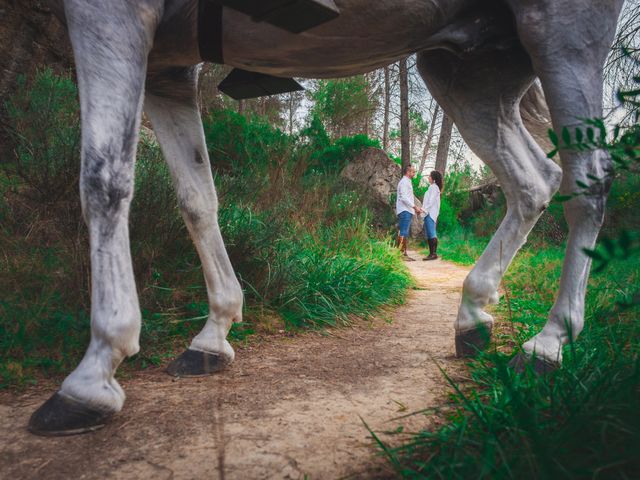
[289,407]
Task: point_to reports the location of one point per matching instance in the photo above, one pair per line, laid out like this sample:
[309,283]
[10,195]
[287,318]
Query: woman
[431,208]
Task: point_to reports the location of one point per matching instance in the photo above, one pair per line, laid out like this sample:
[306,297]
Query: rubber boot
[430,243]
[433,247]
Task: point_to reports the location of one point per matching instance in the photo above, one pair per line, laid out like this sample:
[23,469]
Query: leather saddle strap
[210,31]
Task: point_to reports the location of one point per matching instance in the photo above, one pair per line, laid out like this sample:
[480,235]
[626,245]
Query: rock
[31,38]
[378,175]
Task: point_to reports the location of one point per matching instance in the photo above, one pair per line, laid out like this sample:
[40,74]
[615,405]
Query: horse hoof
[193,363]
[470,342]
[61,415]
[539,366]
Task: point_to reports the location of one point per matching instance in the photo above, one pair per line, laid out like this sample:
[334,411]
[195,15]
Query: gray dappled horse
[478,58]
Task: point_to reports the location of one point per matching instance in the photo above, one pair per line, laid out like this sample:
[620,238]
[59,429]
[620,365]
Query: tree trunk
[290,113]
[241,107]
[427,145]
[443,143]
[387,102]
[404,115]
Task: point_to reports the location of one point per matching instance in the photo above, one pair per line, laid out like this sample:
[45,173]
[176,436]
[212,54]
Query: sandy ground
[289,407]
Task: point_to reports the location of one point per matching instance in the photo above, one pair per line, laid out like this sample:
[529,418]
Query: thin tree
[387,105]
[427,144]
[404,114]
[443,143]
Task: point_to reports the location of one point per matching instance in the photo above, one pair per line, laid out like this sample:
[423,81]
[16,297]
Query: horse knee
[197,207]
[105,194]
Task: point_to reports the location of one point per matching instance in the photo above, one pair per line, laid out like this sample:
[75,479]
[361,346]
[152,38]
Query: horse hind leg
[171,105]
[111,42]
[482,93]
[568,56]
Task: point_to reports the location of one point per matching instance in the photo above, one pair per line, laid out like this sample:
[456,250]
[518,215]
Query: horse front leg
[568,55]
[111,41]
[171,105]
[482,93]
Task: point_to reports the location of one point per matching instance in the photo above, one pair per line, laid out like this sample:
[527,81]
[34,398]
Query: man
[405,208]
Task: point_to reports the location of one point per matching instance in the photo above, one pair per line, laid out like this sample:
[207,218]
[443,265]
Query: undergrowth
[299,240]
[580,422]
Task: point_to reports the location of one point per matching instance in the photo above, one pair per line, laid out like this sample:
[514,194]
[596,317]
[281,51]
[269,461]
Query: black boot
[433,245]
[430,243]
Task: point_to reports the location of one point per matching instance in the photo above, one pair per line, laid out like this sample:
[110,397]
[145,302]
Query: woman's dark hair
[437,178]
[406,168]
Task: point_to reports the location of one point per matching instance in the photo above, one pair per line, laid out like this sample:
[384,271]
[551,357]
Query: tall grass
[580,422]
[299,240]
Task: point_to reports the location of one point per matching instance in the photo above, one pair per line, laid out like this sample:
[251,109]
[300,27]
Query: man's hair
[406,168]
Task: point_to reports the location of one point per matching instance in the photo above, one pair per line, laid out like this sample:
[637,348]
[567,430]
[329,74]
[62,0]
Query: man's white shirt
[405,199]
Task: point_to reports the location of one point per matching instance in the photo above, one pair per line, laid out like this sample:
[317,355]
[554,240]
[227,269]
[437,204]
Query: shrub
[45,129]
[298,245]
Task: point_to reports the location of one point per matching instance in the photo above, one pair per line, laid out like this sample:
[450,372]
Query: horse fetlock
[122,338]
[547,348]
[470,317]
[96,391]
[477,289]
[212,338]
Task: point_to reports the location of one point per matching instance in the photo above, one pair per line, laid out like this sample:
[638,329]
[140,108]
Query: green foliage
[447,219]
[341,104]
[237,143]
[335,156]
[299,240]
[580,423]
[44,126]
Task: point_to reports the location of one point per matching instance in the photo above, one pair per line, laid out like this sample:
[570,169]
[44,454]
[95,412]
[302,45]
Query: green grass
[461,248]
[581,422]
[300,240]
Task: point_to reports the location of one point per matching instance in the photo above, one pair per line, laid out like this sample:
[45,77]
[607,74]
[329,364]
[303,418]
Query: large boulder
[378,175]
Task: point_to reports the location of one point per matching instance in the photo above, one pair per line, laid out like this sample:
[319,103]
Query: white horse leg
[111,41]
[171,106]
[568,49]
[482,93]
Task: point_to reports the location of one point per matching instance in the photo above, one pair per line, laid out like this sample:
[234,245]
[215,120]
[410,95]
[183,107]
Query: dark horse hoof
[539,366]
[61,415]
[193,363]
[470,342]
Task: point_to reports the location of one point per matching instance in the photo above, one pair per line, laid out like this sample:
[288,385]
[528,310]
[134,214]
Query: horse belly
[365,36]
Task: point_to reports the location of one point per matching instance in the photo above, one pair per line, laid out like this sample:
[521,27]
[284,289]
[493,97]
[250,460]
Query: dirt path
[289,407]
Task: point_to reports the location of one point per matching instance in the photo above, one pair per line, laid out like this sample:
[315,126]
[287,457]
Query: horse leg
[171,105]
[482,93]
[568,51]
[111,41]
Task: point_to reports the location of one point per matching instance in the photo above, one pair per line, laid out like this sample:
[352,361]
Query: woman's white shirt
[431,202]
